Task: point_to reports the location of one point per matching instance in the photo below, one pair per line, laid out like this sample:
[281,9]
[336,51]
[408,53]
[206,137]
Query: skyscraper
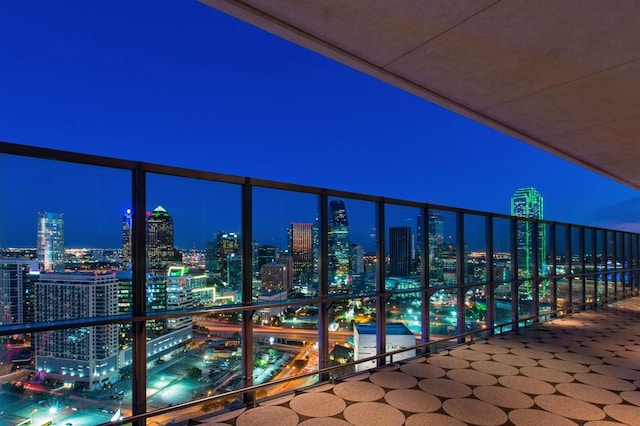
[400,249]
[50,244]
[436,247]
[126,239]
[161,253]
[228,258]
[338,243]
[527,202]
[87,356]
[301,250]
[16,290]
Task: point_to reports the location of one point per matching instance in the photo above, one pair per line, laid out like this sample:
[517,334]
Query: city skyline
[135,91]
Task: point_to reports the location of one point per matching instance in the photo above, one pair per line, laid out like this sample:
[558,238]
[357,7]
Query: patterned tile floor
[579,370]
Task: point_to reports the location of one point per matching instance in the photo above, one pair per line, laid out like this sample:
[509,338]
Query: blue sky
[179,83]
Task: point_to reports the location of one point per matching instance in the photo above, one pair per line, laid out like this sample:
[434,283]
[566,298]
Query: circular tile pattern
[469,355]
[588,393]
[531,353]
[472,377]
[634,348]
[358,391]
[547,374]
[599,353]
[571,408]
[603,346]
[357,377]
[503,397]
[317,404]
[632,397]
[527,385]
[605,382]
[474,412]
[393,380]
[324,421]
[615,371]
[495,368]
[562,365]
[279,400]
[268,415]
[529,417]
[412,400]
[373,414]
[488,348]
[546,347]
[506,343]
[422,370]
[422,419]
[628,414]
[624,362]
[627,354]
[515,360]
[448,362]
[445,388]
[579,358]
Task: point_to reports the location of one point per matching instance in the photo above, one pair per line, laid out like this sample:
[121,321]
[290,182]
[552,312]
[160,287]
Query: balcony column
[323,285]
[381,324]
[490,285]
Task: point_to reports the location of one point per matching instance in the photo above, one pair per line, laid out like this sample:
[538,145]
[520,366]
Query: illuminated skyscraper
[50,245]
[229,258]
[338,243]
[301,250]
[400,248]
[527,202]
[436,247]
[126,239]
[161,253]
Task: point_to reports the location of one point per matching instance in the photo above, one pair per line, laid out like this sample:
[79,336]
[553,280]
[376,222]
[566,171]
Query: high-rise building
[86,357]
[126,239]
[338,243]
[228,258]
[301,250]
[527,202]
[16,290]
[275,277]
[356,259]
[267,254]
[436,247]
[161,253]
[400,249]
[50,244]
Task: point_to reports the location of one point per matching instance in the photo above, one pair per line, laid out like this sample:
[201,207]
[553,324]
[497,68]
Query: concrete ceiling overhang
[562,75]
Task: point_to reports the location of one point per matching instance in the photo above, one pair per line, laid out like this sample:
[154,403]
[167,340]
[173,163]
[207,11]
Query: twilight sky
[179,83]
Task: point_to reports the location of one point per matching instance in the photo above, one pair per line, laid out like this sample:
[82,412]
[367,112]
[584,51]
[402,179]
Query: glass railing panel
[351,245]
[363,327]
[286,224]
[545,263]
[590,288]
[403,324]
[442,238]
[502,250]
[475,249]
[343,316]
[577,294]
[475,310]
[61,248]
[402,253]
[563,266]
[563,288]
[525,298]
[502,303]
[443,314]
[526,239]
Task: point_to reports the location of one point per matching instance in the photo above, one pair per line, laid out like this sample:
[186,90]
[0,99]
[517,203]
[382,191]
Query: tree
[194,373]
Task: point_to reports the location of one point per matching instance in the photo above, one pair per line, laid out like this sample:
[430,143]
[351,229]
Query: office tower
[126,240]
[400,248]
[436,247]
[86,357]
[161,253]
[50,245]
[420,238]
[210,259]
[276,277]
[315,250]
[267,254]
[229,258]
[527,202]
[356,259]
[338,243]
[16,290]
[301,250]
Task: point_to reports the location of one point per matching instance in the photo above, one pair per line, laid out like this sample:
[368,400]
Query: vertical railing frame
[139,308]
[425,282]
[460,265]
[381,324]
[323,283]
[490,285]
[535,265]
[247,289]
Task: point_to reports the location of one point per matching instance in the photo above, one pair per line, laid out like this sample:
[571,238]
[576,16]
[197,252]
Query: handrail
[533,319]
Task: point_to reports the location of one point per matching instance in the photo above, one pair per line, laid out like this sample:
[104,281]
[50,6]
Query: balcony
[156,292]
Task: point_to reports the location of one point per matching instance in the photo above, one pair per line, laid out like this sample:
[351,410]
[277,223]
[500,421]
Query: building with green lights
[527,202]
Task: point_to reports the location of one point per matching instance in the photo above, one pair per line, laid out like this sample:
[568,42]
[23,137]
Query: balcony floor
[578,370]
